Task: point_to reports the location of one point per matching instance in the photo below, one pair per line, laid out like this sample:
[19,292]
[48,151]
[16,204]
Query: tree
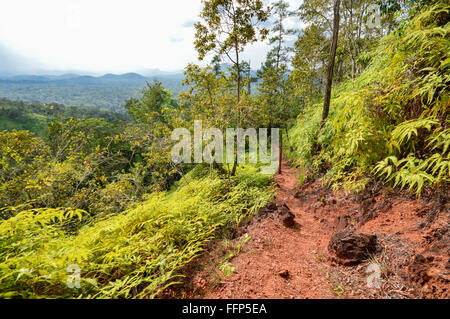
[149,108]
[309,63]
[279,33]
[356,36]
[334,42]
[210,95]
[274,107]
[227,27]
[311,50]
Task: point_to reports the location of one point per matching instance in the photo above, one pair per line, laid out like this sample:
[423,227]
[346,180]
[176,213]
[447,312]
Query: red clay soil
[274,249]
[294,262]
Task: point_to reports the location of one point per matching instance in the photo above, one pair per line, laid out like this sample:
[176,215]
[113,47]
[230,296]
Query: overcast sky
[105,35]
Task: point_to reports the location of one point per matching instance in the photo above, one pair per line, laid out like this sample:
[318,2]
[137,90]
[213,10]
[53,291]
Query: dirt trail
[274,249]
[293,262]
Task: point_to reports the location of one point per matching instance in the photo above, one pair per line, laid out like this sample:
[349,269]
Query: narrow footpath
[281,262]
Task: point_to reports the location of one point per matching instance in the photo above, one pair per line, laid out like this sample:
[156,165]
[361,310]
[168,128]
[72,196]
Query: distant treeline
[107,92]
[35,116]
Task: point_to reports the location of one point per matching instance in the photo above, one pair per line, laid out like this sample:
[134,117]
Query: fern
[136,254]
[393,119]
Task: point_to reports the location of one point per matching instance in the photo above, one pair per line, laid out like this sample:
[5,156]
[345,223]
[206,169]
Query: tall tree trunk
[280,40]
[334,41]
[249,75]
[353,42]
[238,70]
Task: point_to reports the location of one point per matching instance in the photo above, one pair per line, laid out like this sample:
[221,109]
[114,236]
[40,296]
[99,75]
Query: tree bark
[238,70]
[331,61]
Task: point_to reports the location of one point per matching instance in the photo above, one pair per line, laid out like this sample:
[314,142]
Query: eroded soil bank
[311,243]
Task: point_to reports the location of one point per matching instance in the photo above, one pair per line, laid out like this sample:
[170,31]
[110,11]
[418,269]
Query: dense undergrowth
[105,198]
[392,121]
[134,254]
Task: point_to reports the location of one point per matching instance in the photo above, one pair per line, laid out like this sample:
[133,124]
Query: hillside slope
[297,262]
[391,122]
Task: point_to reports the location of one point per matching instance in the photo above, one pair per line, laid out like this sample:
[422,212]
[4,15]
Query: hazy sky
[106,35]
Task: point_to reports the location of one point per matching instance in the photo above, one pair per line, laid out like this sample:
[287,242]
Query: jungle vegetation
[100,191]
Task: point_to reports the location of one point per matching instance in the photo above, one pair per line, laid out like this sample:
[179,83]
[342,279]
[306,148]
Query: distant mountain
[89,79]
[108,91]
[123,77]
[74,77]
[156,72]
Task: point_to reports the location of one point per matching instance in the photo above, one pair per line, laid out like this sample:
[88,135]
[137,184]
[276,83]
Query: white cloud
[106,35]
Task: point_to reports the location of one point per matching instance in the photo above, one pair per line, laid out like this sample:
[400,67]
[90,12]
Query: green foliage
[150,107]
[210,97]
[21,155]
[97,164]
[309,63]
[229,26]
[393,119]
[105,195]
[227,269]
[275,107]
[69,172]
[35,117]
[135,254]
[414,171]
